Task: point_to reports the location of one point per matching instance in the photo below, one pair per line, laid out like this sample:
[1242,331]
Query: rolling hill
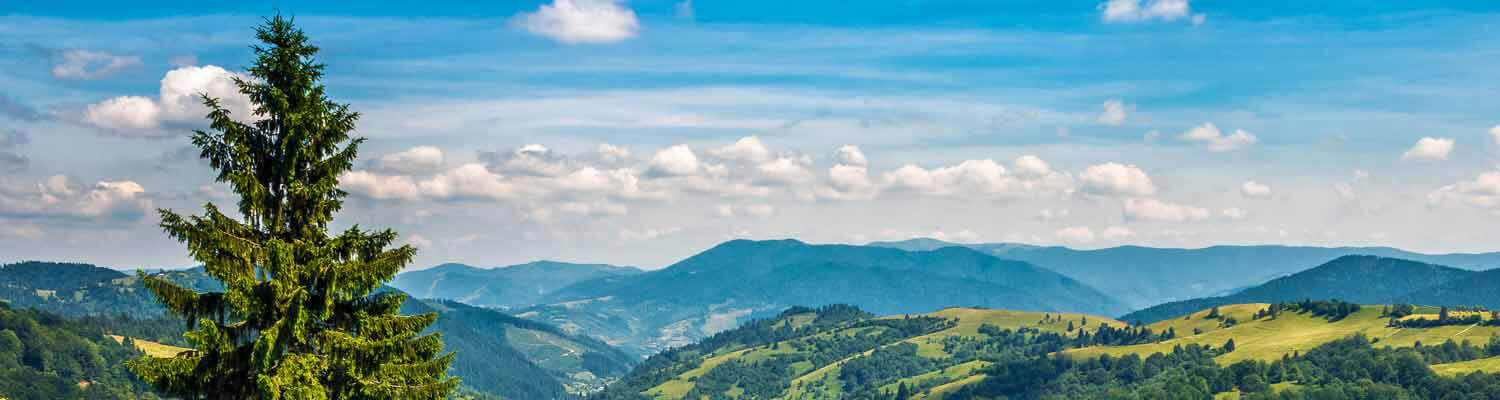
[1359,279]
[504,287]
[716,289]
[840,352]
[1145,276]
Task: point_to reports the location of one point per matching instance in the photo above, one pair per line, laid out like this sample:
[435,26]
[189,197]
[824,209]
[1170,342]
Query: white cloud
[1483,192]
[85,64]
[176,103]
[983,177]
[418,241]
[416,160]
[581,21]
[57,197]
[1048,214]
[1345,191]
[612,154]
[677,160]
[598,208]
[1209,136]
[1075,235]
[648,234]
[752,210]
[1135,11]
[1118,180]
[1255,190]
[851,155]
[1157,210]
[1429,149]
[1116,233]
[1234,213]
[747,149]
[786,171]
[1112,113]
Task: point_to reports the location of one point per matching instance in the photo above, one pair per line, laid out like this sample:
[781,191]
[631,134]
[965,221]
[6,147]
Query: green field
[1268,339]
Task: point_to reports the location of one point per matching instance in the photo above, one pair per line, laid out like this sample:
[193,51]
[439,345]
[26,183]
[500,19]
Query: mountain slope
[1144,276]
[512,286]
[1358,279]
[1481,289]
[736,280]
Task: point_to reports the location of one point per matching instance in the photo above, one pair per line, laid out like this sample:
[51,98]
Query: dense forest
[47,356]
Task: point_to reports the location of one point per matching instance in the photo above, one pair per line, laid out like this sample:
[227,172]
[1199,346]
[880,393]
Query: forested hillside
[1359,279]
[1146,276]
[716,289]
[840,352]
[47,356]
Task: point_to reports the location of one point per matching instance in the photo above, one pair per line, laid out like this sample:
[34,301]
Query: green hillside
[738,280]
[840,352]
[1359,279]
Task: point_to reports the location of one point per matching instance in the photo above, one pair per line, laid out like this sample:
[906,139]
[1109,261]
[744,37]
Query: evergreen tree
[297,318]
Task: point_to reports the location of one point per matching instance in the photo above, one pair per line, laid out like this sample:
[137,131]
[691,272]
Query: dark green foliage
[1357,279]
[1482,289]
[297,318]
[47,356]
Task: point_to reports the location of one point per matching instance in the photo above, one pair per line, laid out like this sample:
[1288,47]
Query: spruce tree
[299,317]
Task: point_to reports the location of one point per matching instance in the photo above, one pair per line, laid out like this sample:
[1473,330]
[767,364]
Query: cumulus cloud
[1112,113]
[747,149]
[611,154]
[1048,214]
[1429,149]
[1116,233]
[1255,190]
[581,21]
[597,208]
[177,103]
[1345,191]
[1482,192]
[786,171]
[1031,178]
[57,197]
[1114,179]
[418,241]
[85,64]
[677,160]
[528,160]
[1135,11]
[416,160]
[851,155]
[1157,210]
[1210,138]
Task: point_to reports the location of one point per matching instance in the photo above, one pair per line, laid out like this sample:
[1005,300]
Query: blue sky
[1083,123]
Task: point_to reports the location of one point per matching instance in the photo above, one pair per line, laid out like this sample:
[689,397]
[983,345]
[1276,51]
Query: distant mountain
[718,288]
[497,353]
[1145,276]
[1357,279]
[512,286]
[1480,289]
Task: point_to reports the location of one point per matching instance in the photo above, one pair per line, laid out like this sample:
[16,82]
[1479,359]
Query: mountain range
[1145,276]
[504,287]
[729,283]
